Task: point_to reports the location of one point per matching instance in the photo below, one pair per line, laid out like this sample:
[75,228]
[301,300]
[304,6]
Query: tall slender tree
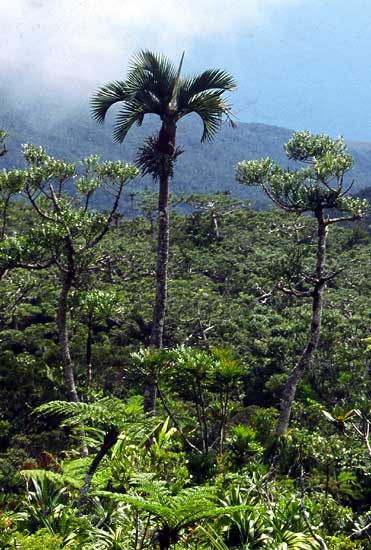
[155,86]
[318,188]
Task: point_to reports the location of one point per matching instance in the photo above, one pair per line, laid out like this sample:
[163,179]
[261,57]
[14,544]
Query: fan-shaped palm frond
[131,113]
[148,88]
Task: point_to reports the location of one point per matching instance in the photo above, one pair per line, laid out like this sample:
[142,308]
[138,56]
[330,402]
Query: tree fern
[174,513]
[59,479]
[109,416]
[102,412]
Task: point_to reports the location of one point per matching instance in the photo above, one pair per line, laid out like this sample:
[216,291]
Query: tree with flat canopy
[319,188]
[66,232]
[155,86]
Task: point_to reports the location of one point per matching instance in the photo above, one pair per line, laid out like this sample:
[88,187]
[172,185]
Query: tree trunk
[306,358]
[162,265]
[89,368]
[166,145]
[109,441]
[159,309]
[63,338]
[65,348]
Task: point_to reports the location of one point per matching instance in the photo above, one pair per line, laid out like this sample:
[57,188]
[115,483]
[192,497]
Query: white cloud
[73,43]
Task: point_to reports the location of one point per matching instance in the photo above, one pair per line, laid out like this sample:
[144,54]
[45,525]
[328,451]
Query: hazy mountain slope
[202,168]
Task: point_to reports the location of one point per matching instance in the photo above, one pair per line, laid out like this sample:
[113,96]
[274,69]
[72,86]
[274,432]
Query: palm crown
[154,85]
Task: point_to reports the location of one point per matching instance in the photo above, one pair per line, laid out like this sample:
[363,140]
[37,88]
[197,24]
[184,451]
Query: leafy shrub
[242,444]
[41,540]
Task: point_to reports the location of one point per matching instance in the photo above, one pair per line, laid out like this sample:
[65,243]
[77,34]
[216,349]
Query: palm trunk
[162,265]
[166,145]
[63,338]
[307,356]
[159,309]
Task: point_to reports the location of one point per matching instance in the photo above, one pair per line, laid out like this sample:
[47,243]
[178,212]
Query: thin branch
[361,532]
[325,183]
[348,188]
[87,199]
[294,292]
[264,296]
[174,420]
[274,199]
[365,435]
[59,265]
[367,438]
[36,266]
[305,514]
[331,275]
[204,331]
[62,220]
[5,215]
[353,218]
[40,212]
[106,227]
[341,182]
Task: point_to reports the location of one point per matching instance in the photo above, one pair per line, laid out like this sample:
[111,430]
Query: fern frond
[59,479]
[103,412]
[185,508]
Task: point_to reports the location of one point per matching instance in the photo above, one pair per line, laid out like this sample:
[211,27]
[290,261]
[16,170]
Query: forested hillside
[73,135]
[198,474]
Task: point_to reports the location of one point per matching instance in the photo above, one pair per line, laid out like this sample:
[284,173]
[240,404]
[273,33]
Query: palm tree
[154,86]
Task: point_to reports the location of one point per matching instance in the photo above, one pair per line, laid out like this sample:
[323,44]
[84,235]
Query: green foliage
[318,185]
[3,135]
[99,305]
[149,88]
[41,540]
[274,520]
[242,444]
[101,413]
[63,218]
[230,342]
[175,513]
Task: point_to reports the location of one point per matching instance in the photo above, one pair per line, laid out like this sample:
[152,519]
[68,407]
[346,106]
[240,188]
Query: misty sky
[301,64]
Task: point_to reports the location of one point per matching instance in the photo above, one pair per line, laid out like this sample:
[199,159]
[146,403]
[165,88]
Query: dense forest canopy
[259,436]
